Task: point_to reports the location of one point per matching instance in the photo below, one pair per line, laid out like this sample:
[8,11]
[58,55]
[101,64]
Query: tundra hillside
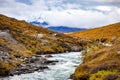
[101,59]
[20,40]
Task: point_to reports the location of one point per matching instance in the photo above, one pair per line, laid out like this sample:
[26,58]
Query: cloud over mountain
[77,13]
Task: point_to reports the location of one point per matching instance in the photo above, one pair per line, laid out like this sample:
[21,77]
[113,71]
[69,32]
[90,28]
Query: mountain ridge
[60,29]
[65,29]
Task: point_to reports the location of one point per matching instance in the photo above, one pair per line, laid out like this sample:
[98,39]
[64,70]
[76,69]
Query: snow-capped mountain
[44,24]
[60,29]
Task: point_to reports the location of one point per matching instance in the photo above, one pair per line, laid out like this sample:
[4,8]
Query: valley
[59,39]
[29,52]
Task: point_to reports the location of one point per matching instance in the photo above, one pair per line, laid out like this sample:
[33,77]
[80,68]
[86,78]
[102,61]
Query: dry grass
[31,40]
[100,61]
[110,32]
[107,58]
[27,36]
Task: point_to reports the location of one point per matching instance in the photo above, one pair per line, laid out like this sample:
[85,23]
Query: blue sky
[73,13]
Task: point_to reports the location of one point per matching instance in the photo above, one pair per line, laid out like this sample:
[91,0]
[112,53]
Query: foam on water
[60,71]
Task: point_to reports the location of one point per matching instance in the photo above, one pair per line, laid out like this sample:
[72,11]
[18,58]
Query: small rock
[49,61]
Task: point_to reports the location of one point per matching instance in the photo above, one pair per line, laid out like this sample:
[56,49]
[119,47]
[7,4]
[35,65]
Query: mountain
[21,42]
[60,29]
[65,29]
[37,23]
[101,59]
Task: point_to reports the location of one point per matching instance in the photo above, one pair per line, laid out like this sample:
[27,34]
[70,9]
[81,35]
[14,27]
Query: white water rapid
[60,71]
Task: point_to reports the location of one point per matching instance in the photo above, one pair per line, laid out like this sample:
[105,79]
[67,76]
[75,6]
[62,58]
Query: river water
[60,71]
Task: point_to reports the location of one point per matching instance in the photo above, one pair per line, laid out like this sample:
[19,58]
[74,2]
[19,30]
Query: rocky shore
[36,63]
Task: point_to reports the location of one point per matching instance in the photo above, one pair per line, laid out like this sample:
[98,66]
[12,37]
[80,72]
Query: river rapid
[60,71]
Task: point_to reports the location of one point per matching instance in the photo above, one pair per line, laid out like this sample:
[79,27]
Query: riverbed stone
[35,63]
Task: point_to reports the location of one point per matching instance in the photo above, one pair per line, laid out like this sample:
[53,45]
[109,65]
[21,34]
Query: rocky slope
[20,41]
[101,55]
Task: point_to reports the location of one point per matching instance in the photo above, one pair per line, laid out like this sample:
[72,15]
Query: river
[60,71]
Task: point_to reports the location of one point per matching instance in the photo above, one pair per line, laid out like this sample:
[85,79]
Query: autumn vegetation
[100,63]
[101,60]
[110,32]
[101,47]
[19,40]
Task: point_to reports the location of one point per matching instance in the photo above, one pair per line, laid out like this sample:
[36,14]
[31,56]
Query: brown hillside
[33,38]
[100,62]
[20,40]
[110,32]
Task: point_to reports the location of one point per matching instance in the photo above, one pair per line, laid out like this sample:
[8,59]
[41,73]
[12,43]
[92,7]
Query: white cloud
[58,13]
[106,0]
[104,8]
[71,6]
[81,18]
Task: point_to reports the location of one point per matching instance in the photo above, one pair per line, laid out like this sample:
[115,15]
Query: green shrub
[100,75]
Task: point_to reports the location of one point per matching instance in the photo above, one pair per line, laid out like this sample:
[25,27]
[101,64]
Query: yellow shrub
[27,53]
[5,68]
[100,75]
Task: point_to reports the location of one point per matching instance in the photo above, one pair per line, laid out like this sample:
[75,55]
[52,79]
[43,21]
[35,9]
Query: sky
[72,13]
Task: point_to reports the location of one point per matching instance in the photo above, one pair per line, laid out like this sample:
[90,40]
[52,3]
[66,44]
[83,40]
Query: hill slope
[20,40]
[100,64]
[101,55]
[110,32]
